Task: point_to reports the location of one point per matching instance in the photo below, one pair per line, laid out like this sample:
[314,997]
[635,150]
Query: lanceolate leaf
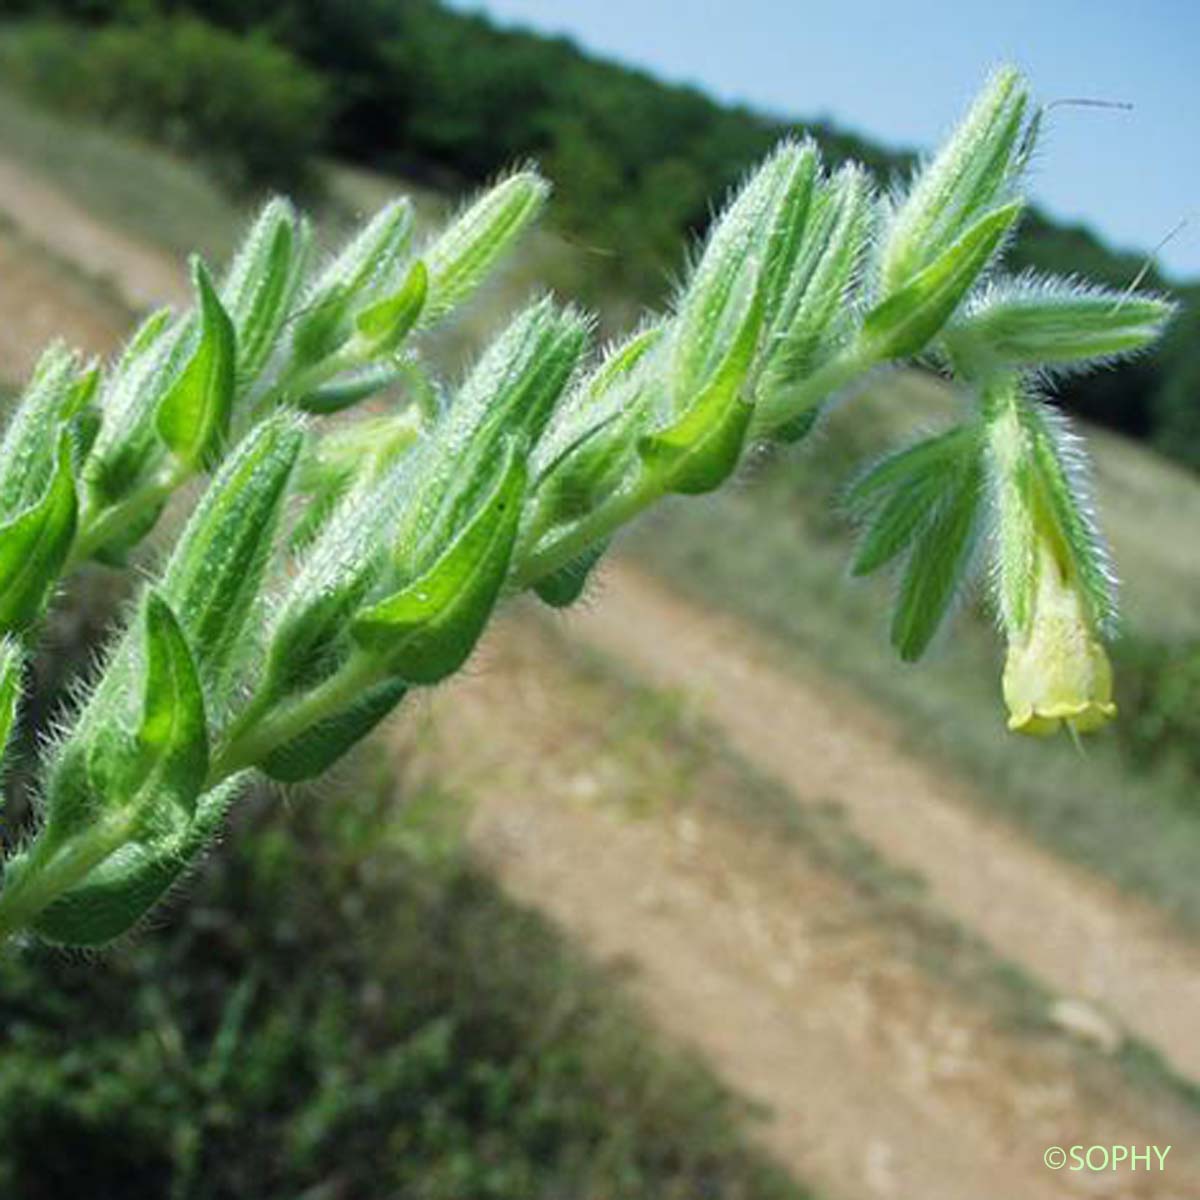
[173,738]
[698,452]
[193,416]
[1052,323]
[428,628]
[929,455]
[936,565]
[122,889]
[384,324]
[907,320]
[35,544]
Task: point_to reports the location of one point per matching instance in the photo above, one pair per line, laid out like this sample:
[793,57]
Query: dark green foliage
[242,103]
[438,1044]
[1158,692]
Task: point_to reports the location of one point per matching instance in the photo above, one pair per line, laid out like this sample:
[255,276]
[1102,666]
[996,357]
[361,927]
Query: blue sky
[900,71]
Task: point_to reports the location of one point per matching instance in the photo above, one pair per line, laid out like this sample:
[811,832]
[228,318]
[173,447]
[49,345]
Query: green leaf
[699,451]
[34,545]
[561,588]
[931,454]
[121,890]
[193,416]
[909,319]
[1052,323]
[173,737]
[384,324]
[936,565]
[428,628]
[902,493]
[317,749]
[12,665]
[139,753]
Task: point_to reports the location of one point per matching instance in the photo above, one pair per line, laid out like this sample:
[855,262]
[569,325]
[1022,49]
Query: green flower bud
[469,249]
[589,449]
[816,317]
[215,574]
[367,270]
[262,283]
[976,169]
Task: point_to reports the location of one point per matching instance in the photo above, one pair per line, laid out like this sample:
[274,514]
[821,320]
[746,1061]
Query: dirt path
[1081,936]
[880,1078]
[144,276]
[41,300]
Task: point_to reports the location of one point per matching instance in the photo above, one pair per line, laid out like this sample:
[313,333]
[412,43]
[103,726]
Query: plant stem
[264,727]
[53,868]
[567,544]
[98,528]
[805,396]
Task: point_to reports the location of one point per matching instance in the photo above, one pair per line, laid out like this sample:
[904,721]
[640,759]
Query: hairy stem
[53,868]
[264,726]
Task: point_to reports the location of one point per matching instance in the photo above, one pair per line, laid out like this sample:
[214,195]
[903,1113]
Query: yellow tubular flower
[1057,669]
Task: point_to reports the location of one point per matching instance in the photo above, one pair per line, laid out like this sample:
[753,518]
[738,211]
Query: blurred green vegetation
[346,1007]
[241,105]
[447,97]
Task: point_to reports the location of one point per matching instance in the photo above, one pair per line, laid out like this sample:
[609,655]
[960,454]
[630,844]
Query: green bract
[337,560]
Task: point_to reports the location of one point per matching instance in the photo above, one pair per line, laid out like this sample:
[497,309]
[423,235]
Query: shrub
[1160,692]
[240,104]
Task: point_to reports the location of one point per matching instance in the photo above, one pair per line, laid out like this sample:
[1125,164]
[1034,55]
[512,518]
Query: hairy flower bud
[465,253]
